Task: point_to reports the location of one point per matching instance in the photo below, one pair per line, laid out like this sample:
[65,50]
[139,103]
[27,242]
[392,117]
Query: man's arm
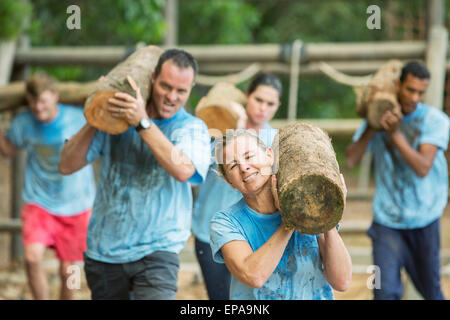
[73,155]
[7,148]
[175,162]
[355,151]
[131,109]
[420,160]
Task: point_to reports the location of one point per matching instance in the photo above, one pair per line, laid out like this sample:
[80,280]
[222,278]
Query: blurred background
[286,37]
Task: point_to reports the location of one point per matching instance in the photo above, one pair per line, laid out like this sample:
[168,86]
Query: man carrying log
[142,210]
[411,187]
[57,208]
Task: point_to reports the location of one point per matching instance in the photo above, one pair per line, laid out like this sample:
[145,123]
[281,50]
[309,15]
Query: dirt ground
[190,285]
[13,284]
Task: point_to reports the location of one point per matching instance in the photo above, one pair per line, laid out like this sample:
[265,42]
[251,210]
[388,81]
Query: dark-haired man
[411,187]
[56,208]
[142,210]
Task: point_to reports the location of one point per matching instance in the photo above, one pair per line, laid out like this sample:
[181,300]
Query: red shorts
[66,235]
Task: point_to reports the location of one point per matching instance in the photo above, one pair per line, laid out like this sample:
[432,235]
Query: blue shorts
[417,250]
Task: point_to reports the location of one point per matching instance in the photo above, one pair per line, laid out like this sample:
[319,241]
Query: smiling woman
[267,259]
[246,161]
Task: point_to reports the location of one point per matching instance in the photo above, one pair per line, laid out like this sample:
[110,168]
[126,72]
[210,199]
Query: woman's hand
[274,190]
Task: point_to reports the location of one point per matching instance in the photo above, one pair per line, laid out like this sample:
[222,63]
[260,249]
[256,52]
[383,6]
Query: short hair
[181,58]
[230,136]
[265,79]
[416,69]
[40,82]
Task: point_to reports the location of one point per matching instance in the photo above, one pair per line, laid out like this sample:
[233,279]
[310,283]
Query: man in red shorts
[56,208]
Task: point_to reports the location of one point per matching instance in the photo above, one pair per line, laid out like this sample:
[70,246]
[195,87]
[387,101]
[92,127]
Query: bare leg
[37,279]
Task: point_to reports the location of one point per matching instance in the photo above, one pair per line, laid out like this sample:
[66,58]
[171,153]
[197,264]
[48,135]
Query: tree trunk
[139,66]
[310,190]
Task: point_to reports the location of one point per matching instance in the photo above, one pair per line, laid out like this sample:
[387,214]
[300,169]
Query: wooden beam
[435,60]
[435,13]
[7,51]
[231,53]
[171,17]
[11,225]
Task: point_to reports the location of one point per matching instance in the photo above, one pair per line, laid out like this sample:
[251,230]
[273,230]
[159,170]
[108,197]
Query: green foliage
[103,22]
[12,16]
[317,21]
[217,22]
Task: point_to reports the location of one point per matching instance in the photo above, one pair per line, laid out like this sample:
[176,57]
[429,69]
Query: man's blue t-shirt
[299,274]
[216,194]
[44,185]
[139,207]
[402,199]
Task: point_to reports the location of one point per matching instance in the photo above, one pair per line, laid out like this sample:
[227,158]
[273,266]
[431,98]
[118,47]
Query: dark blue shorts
[417,250]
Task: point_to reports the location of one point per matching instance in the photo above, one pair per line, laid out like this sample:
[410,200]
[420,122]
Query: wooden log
[139,66]
[74,93]
[375,94]
[332,127]
[222,108]
[310,189]
[380,95]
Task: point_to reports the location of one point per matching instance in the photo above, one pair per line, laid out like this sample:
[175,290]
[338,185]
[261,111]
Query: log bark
[139,66]
[218,110]
[379,95]
[310,190]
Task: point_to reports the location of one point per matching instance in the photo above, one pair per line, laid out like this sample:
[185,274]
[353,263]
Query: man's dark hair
[265,79]
[416,69]
[181,58]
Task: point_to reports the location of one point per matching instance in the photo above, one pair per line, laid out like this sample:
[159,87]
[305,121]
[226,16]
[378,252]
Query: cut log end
[99,117]
[312,204]
[216,117]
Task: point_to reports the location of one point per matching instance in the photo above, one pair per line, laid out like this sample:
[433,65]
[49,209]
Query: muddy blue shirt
[299,274]
[216,194]
[402,199]
[139,207]
[44,185]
